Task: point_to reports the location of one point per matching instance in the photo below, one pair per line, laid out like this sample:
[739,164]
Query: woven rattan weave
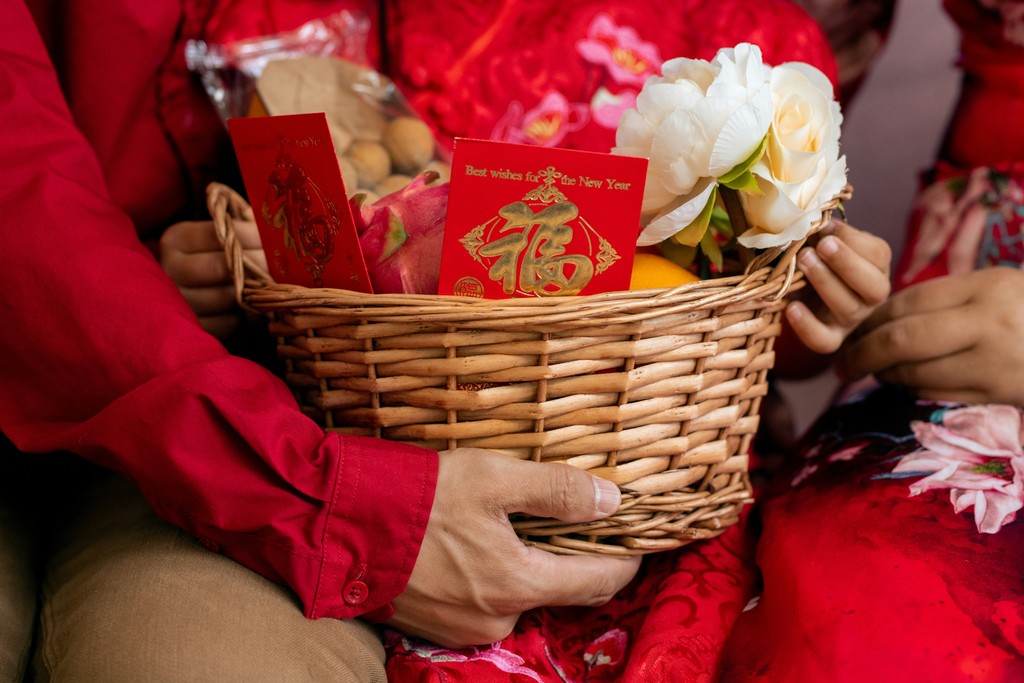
[656,390]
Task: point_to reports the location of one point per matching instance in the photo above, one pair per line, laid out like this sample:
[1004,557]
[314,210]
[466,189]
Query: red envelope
[535,221]
[294,184]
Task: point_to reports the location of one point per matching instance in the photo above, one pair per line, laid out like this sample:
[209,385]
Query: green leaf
[677,253]
[720,221]
[691,235]
[746,182]
[395,237]
[739,176]
[710,247]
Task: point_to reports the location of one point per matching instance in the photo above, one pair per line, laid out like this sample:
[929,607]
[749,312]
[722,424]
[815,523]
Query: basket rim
[769,275]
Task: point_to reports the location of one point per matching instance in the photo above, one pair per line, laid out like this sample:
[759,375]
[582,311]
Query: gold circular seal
[469,286]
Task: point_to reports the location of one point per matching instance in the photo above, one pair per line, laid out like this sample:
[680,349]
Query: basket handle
[787,255]
[788,260]
[226,206]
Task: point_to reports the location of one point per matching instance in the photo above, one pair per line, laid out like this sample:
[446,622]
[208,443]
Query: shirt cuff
[375,524]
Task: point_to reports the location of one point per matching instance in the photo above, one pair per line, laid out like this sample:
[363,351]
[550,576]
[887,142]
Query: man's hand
[474,576]
[191,254]
[849,271]
[956,338]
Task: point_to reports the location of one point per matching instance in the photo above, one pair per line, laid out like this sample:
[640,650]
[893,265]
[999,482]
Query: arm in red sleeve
[100,355]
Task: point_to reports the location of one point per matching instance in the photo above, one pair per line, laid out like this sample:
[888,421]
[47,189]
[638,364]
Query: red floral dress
[891,551]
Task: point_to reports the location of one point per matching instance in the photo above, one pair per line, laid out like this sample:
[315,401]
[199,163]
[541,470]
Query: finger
[954,395]
[193,237]
[844,304]
[560,491]
[211,300]
[190,237]
[812,332]
[221,326]
[945,373]
[943,379]
[248,234]
[926,297]
[208,269]
[198,269]
[865,278]
[871,247]
[910,339]
[258,256]
[579,580]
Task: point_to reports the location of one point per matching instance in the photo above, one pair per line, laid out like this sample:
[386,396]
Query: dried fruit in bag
[375,133]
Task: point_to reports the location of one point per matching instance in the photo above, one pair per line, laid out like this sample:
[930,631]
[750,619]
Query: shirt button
[356,592]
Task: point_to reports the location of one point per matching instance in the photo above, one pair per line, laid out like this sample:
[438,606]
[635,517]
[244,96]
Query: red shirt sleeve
[100,355]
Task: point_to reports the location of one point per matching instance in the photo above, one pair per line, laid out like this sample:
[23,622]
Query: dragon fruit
[401,236]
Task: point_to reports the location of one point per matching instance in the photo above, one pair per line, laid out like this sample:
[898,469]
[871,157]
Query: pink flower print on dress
[606,652]
[607,107]
[977,454]
[628,59]
[546,125]
[1013,19]
[848,453]
[967,223]
[505,660]
[805,471]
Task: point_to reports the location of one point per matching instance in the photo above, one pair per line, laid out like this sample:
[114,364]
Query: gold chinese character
[544,264]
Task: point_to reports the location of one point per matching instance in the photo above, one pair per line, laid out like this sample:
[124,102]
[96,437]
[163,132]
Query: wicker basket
[656,390]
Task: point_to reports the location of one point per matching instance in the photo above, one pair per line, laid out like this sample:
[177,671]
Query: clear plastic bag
[322,66]
[229,71]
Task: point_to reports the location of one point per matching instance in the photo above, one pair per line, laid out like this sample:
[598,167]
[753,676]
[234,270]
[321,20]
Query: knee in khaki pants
[127,597]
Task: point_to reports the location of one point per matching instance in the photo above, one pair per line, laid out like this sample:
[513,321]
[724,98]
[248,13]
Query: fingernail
[606,496]
[828,246]
[808,259]
[794,311]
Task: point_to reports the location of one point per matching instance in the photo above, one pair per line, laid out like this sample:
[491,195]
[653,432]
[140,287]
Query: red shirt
[114,140]
[100,355]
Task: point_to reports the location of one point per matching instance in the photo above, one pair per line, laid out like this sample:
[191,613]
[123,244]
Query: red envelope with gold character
[294,185]
[535,221]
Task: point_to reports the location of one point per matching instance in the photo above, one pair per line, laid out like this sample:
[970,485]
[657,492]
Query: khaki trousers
[94,587]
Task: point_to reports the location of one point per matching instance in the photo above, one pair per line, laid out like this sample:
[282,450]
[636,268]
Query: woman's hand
[191,254]
[956,338]
[849,271]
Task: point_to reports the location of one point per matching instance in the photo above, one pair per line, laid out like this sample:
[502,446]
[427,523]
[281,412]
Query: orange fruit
[651,271]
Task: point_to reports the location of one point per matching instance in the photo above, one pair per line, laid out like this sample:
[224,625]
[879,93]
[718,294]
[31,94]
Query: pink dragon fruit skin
[401,236]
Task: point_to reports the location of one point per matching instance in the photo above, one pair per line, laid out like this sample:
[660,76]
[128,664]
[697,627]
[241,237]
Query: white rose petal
[815,76]
[697,122]
[739,137]
[656,195]
[673,220]
[678,154]
[801,169]
[780,219]
[634,133]
[699,71]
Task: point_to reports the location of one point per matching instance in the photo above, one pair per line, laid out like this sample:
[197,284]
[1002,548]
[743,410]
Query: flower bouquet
[741,154]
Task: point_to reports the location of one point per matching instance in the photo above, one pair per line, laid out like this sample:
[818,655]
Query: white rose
[801,169]
[696,123]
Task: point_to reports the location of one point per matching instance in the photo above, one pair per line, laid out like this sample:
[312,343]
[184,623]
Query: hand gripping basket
[655,390]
